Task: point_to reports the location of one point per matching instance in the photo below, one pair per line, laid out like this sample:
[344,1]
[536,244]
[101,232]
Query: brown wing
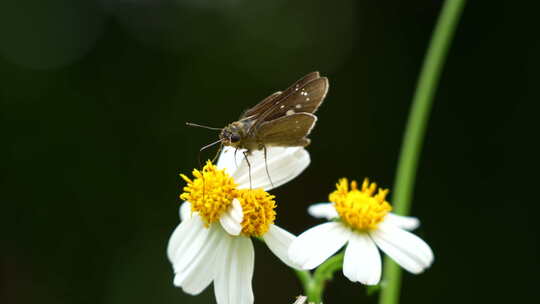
[304,99]
[261,106]
[289,130]
[271,100]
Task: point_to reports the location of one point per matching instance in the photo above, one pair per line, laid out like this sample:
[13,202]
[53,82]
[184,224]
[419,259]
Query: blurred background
[94,96]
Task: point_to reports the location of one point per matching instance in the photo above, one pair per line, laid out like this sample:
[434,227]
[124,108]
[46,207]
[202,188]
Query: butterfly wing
[261,106]
[302,99]
[276,98]
[306,99]
[288,130]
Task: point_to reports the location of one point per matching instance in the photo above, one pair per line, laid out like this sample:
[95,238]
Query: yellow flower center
[210,193]
[360,209]
[258,207]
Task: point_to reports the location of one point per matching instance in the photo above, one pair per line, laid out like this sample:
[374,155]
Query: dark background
[94,96]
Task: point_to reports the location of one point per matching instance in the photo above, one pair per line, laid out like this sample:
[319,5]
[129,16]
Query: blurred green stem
[314,284]
[416,126]
[305,278]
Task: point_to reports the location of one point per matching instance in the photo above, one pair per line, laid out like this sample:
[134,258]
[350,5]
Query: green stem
[324,273]
[327,269]
[304,277]
[314,284]
[416,126]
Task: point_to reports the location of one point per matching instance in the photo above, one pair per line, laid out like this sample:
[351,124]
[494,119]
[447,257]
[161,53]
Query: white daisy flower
[222,213]
[362,220]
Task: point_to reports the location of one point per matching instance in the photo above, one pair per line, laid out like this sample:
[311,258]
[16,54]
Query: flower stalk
[314,284]
[415,130]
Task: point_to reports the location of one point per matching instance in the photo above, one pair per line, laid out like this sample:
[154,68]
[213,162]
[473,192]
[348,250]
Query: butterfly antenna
[266,165]
[190,124]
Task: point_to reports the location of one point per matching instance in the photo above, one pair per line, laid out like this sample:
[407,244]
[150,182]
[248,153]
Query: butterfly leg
[217,154]
[249,167]
[204,148]
[200,163]
[202,170]
[266,165]
[235,163]
[199,159]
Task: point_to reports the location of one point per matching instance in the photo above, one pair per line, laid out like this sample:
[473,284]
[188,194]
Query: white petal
[362,261]
[184,234]
[317,244]
[191,245]
[201,271]
[185,211]
[404,222]
[284,164]
[175,239]
[232,284]
[278,241]
[221,290]
[408,250]
[227,161]
[231,220]
[323,210]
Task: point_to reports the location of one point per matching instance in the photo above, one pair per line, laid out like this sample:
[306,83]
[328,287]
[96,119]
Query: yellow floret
[258,207]
[360,209]
[210,192]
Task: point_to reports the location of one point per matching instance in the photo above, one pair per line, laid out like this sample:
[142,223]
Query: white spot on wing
[298,106]
[290,112]
[282,106]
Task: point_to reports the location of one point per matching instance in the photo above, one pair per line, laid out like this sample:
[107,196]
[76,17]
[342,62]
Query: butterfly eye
[234,138]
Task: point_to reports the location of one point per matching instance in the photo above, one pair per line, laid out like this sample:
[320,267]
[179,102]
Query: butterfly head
[232,134]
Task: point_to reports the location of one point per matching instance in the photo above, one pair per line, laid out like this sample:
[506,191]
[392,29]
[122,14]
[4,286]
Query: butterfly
[283,119]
